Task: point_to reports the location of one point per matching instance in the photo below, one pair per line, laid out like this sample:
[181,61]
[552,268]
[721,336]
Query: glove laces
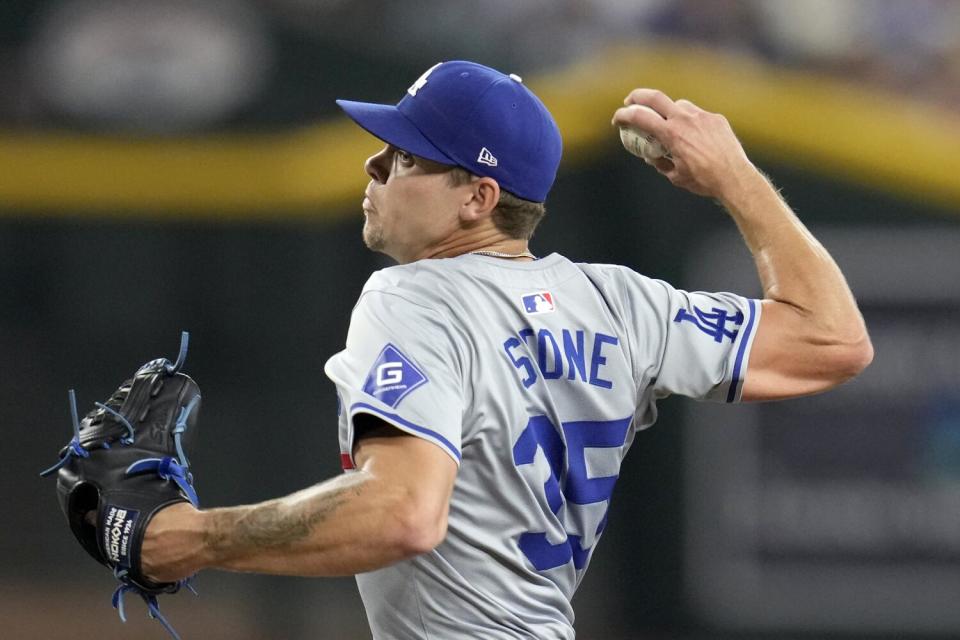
[150,599]
[73,449]
[169,468]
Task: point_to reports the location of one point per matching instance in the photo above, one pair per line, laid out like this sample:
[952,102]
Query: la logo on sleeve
[714,323]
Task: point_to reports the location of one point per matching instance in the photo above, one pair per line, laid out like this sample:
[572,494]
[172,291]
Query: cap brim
[387,123]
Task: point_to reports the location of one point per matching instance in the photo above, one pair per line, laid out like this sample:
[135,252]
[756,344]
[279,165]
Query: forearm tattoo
[274,524]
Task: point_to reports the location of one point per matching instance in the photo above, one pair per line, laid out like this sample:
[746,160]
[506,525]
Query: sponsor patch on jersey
[392,377]
[538,302]
[117,527]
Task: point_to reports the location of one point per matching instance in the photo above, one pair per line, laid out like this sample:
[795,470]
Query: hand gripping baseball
[127,461]
[705,156]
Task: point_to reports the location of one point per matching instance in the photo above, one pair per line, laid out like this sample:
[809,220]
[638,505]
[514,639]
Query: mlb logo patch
[538,302]
[392,377]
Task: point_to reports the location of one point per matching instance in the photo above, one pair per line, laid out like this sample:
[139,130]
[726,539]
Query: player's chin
[372,236]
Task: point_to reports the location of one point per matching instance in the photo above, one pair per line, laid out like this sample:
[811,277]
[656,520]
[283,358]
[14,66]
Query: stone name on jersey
[573,354]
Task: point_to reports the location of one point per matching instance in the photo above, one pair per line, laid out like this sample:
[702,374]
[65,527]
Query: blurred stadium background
[179,164]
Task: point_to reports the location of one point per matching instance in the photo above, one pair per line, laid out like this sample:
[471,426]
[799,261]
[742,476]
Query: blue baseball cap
[465,114]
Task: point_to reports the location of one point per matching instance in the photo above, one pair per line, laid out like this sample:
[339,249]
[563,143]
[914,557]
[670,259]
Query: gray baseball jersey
[534,377]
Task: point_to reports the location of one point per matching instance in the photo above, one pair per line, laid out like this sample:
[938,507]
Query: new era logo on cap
[487,158]
[538,302]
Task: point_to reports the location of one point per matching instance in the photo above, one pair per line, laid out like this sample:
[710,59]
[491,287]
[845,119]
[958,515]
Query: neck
[496,243]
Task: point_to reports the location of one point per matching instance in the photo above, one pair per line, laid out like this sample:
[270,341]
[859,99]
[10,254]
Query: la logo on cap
[487,158]
[422,80]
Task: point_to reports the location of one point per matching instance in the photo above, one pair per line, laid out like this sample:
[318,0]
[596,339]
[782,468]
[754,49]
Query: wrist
[174,545]
[200,528]
[742,185]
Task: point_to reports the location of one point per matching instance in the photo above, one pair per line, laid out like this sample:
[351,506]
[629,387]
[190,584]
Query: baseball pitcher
[488,396]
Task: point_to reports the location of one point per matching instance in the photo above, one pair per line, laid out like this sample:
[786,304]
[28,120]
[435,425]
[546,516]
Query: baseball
[640,143]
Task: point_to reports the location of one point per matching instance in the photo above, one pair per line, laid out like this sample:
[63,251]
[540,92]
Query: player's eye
[404,158]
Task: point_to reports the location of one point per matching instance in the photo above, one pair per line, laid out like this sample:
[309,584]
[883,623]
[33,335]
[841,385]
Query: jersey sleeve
[695,344]
[400,365]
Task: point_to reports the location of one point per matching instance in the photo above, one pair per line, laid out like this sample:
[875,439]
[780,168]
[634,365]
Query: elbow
[853,358]
[865,355]
[419,528]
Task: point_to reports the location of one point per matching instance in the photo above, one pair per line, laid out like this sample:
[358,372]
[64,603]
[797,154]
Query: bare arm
[811,335]
[393,507]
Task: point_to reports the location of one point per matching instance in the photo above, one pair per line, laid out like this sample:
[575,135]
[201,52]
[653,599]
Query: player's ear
[480,200]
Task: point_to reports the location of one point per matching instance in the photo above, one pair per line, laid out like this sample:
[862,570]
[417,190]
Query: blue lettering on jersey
[571,485]
[575,355]
[520,362]
[548,349]
[392,377]
[713,324]
[598,360]
[532,351]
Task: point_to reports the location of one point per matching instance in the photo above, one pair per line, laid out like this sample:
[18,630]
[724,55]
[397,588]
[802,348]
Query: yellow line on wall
[295,173]
[840,129]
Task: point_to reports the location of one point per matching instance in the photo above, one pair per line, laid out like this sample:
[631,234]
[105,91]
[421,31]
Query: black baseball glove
[126,461]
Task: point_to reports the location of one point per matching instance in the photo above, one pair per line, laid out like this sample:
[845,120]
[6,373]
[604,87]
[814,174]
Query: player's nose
[377,167]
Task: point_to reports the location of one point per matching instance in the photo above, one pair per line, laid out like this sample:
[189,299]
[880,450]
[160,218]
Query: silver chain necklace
[498,254]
